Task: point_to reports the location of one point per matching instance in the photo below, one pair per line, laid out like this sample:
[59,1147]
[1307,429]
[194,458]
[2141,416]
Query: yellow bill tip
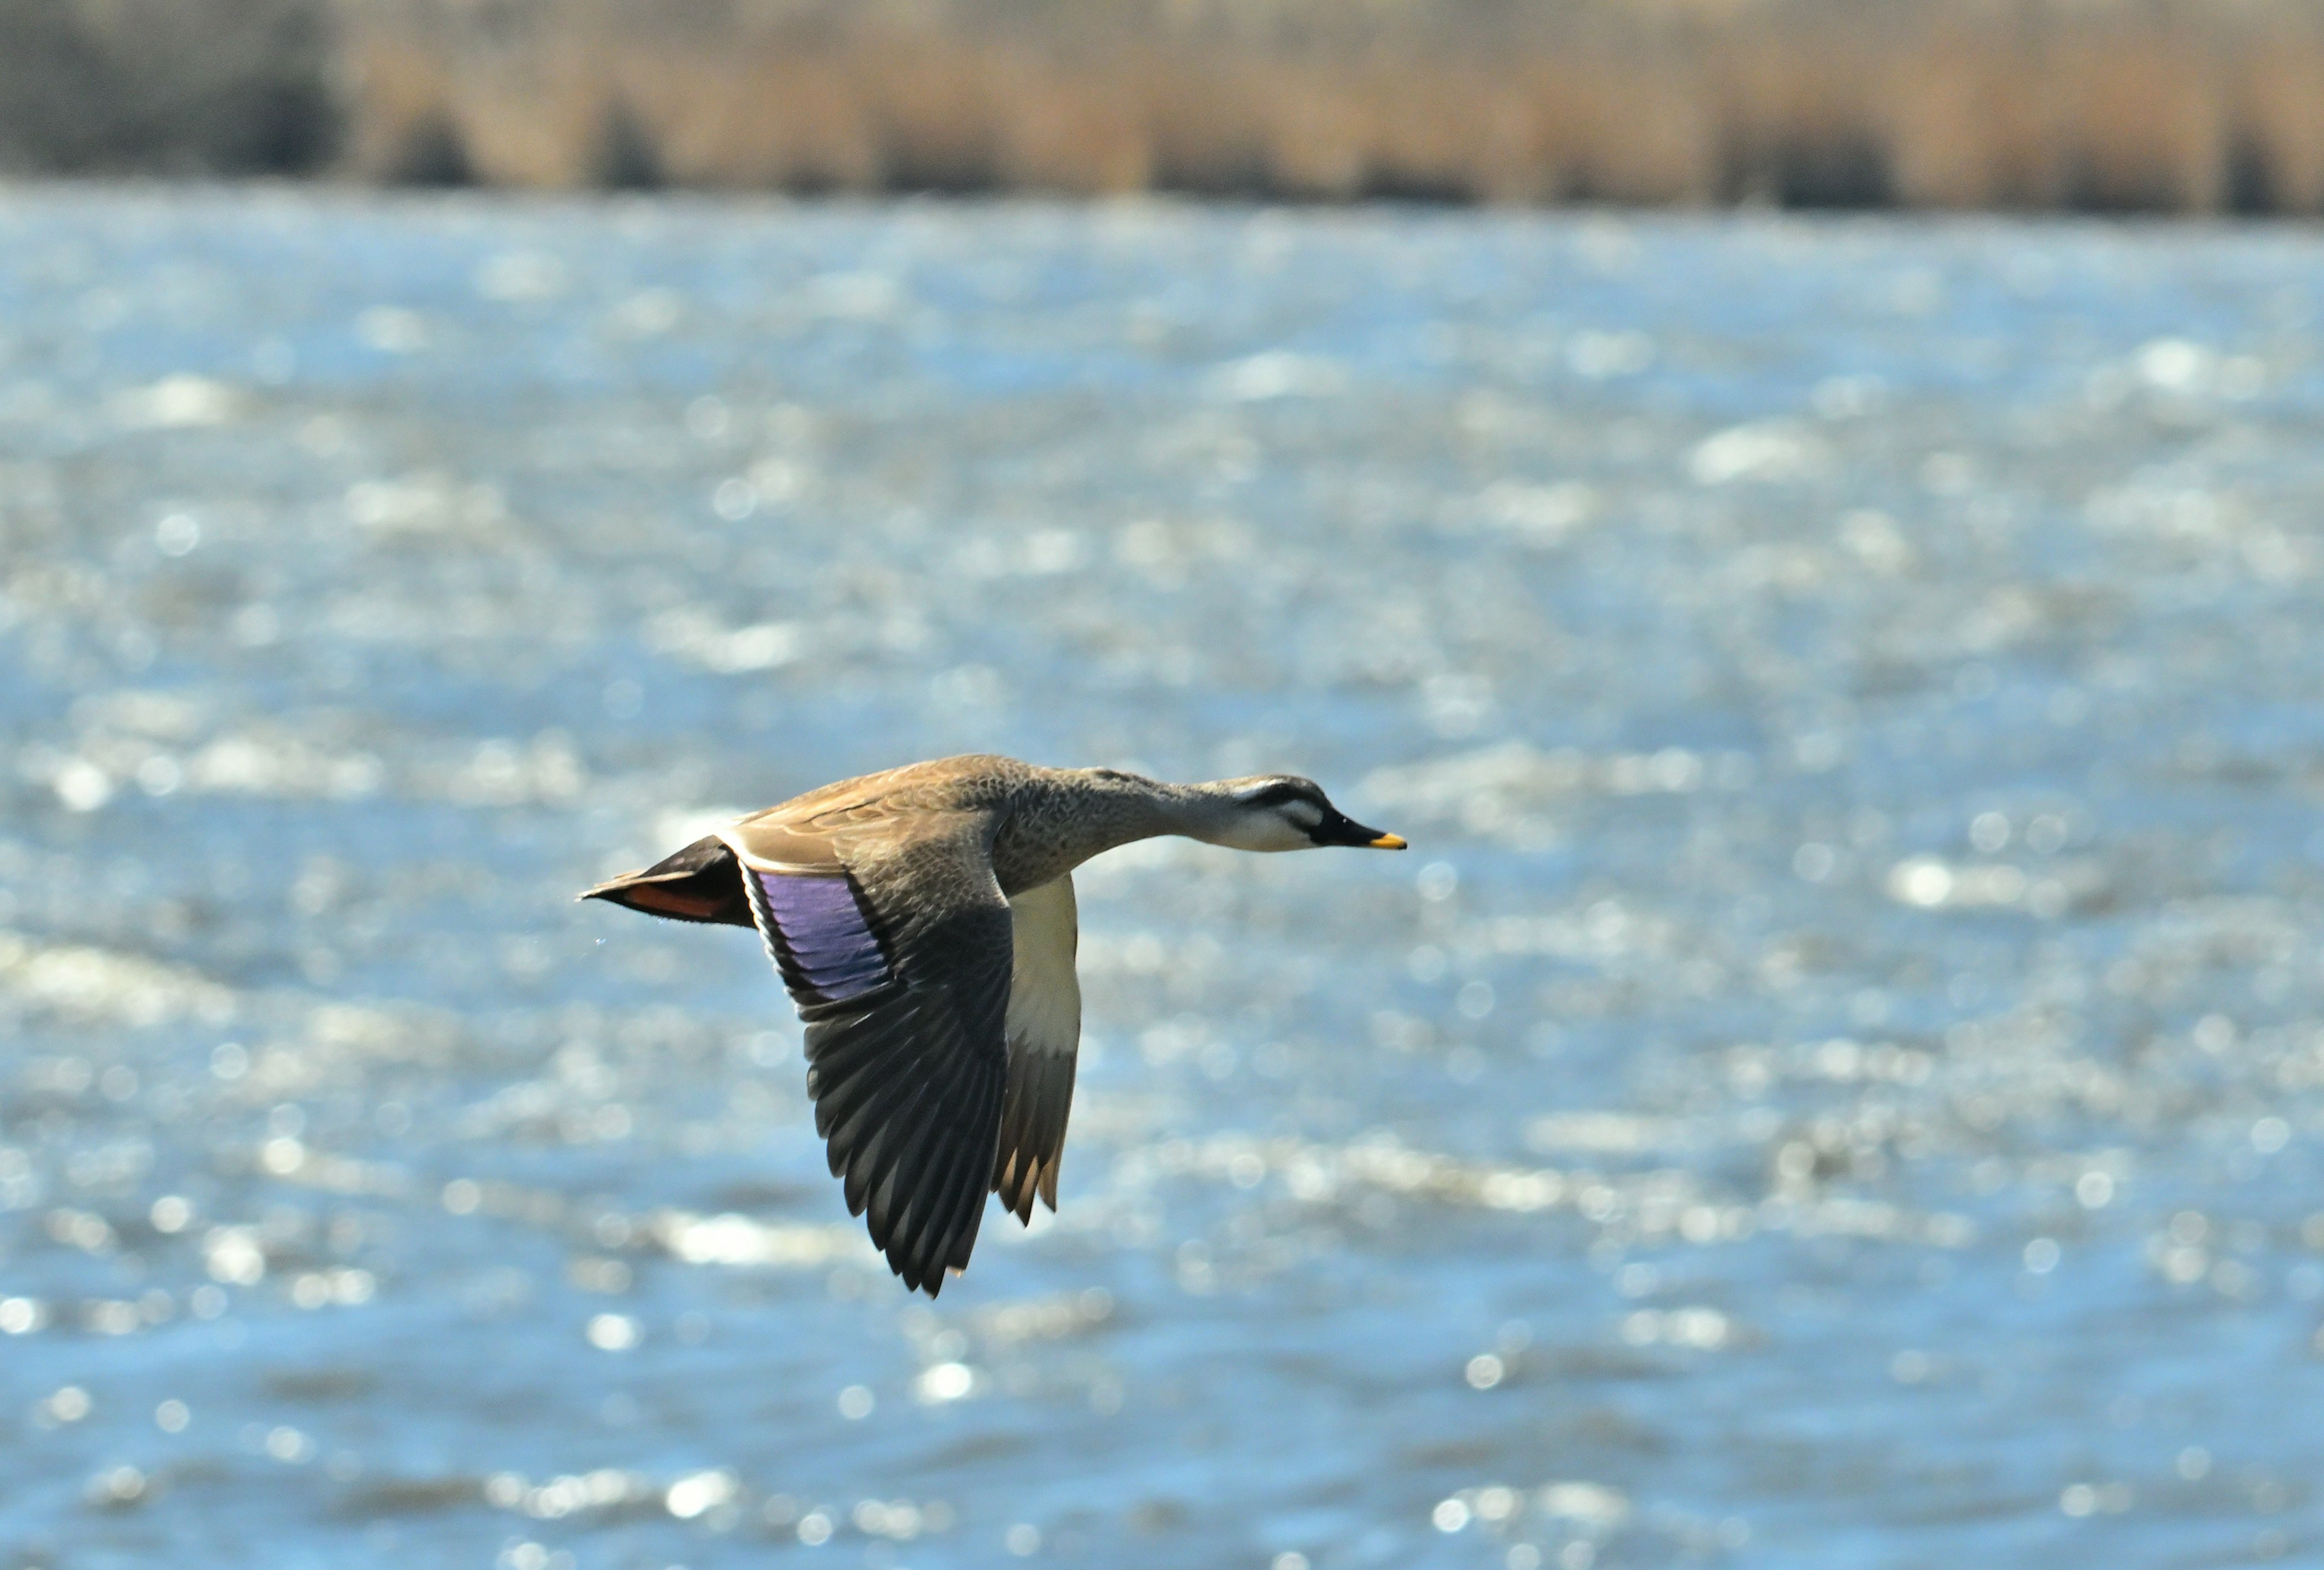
[1387,842]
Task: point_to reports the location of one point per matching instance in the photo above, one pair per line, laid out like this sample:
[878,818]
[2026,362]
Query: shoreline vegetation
[2100,106]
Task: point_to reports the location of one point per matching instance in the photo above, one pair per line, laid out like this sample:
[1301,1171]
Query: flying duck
[923,920]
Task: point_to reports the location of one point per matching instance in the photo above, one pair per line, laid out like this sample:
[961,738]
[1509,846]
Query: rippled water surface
[1836,1083]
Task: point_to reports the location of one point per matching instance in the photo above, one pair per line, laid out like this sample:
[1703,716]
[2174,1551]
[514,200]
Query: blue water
[1836,1081]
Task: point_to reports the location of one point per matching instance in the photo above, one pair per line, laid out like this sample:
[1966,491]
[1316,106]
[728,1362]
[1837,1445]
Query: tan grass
[2114,104]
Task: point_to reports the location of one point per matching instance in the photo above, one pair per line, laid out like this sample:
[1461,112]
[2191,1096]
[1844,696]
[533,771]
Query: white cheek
[1270,834]
[1288,837]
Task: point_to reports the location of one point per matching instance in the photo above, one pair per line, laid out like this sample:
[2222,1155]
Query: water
[1836,1082]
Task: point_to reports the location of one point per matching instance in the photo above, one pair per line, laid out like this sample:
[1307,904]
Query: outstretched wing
[1044,1032]
[905,1000]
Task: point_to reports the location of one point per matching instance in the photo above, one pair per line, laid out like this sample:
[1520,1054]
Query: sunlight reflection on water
[1837,1070]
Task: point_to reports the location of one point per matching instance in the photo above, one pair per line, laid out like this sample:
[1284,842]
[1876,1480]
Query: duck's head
[1283,812]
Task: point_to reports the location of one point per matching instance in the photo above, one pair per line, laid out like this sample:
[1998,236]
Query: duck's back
[941,787]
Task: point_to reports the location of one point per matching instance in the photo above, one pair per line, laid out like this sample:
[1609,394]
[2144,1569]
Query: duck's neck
[1117,809]
[1203,812]
[1079,813]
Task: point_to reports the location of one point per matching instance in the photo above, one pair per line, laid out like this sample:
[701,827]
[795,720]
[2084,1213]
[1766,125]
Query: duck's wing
[1044,1032]
[897,949]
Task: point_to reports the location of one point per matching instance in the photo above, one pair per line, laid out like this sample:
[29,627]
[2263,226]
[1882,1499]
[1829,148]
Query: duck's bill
[1348,833]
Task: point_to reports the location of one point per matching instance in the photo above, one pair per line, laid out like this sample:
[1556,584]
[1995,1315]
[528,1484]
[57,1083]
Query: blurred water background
[1835,1082]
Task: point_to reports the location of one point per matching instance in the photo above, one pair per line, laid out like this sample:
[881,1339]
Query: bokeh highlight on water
[1835,1083]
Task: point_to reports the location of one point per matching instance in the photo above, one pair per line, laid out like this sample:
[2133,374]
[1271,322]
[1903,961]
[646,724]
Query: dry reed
[2199,106]
[2138,105]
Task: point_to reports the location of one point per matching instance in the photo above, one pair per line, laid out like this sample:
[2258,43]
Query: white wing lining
[1044,1032]
[1044,994]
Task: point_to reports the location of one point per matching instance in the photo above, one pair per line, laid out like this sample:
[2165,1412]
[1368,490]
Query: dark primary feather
[922,1108]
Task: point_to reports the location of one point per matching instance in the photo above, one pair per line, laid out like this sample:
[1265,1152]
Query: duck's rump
[702,882]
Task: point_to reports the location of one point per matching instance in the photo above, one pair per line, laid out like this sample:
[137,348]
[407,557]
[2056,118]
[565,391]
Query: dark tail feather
[702,882]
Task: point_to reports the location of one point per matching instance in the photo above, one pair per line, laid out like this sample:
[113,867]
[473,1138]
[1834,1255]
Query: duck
[922,921]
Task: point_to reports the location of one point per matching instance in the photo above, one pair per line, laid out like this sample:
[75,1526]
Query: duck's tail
[702,882]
